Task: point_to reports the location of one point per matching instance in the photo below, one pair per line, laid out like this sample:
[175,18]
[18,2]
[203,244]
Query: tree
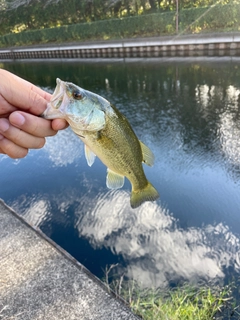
[153,5]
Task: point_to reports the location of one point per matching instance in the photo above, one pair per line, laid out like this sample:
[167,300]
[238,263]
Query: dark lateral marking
[99,135]
[80,135]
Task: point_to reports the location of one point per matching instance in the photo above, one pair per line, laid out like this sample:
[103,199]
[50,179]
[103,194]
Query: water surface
[187,112]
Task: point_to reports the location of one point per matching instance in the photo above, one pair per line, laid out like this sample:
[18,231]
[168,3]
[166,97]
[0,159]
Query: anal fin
[114,180]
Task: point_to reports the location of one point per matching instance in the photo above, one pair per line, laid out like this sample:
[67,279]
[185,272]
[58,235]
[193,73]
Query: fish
[107,134]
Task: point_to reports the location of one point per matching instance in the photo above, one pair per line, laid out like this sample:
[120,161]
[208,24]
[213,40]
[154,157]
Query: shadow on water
[188,114]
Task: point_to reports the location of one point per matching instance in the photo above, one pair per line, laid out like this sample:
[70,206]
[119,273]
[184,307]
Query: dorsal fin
[148,156]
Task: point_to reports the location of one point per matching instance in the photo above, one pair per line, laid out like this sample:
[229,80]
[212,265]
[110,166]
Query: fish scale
[119,149]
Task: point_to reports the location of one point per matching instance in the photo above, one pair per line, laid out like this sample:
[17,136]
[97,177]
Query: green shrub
[215,18]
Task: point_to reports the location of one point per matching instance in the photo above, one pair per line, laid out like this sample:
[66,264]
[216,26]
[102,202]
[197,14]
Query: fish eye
[77,95]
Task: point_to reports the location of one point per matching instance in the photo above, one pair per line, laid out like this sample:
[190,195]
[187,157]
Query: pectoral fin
[90,156]
[114,180]
[148,156]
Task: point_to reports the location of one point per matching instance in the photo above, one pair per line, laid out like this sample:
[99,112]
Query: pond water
[188,113]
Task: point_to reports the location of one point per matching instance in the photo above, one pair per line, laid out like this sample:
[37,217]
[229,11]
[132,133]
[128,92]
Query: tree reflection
[160,96]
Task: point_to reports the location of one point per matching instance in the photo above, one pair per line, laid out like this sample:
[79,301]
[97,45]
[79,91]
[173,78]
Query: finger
[9,77]
[29,100]
[1,138]
[20,137]
[36,103]
[31,124]
[5,108]
[11,149]
[59,124]
[23,94]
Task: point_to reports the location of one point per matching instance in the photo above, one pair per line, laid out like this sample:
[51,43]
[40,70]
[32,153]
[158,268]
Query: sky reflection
[57,151]
[188,114]
[155,249]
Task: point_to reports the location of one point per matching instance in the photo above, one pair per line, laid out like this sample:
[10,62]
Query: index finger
[31,124]
[23,94]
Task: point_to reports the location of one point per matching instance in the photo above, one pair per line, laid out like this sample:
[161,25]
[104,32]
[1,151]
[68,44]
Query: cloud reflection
[64,148]
[155,249]
[37,212]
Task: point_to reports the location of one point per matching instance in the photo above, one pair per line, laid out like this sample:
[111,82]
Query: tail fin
[149,193]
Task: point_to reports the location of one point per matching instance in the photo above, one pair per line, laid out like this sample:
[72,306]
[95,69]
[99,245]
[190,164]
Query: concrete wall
[225,44]
[41,281]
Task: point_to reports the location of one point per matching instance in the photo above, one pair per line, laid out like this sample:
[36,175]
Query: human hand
[21,128]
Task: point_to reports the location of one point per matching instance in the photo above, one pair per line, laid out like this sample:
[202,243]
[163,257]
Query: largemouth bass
[107,134]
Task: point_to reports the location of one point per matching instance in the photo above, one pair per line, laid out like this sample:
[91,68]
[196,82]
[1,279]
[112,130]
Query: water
[187,112]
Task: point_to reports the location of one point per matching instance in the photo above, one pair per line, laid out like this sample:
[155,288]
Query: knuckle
[37,103]
[41,143]
[16,137]
[35,98]
[53,133]
[12,150]
[4,125]
[35,128]
[20,153]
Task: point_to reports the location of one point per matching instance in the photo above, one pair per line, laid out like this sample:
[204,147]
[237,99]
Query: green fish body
[107,134]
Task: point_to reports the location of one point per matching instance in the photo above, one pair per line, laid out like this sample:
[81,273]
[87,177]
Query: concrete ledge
[40,281]
[180,45]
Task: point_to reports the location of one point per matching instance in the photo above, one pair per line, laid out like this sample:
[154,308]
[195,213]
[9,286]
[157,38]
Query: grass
[182,303]
[185,303]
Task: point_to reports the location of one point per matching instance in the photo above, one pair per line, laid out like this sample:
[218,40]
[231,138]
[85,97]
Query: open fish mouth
[58,94]
[53,109]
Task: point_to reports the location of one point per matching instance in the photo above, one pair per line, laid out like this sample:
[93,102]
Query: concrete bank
[220,44]
[39,280]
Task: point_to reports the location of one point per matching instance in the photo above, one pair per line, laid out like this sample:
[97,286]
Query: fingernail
[4,125]
[17,119]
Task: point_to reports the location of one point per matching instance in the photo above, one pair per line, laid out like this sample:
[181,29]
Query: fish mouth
[57,97]
[53,109]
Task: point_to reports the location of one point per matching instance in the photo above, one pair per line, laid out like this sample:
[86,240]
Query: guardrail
[192,45]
